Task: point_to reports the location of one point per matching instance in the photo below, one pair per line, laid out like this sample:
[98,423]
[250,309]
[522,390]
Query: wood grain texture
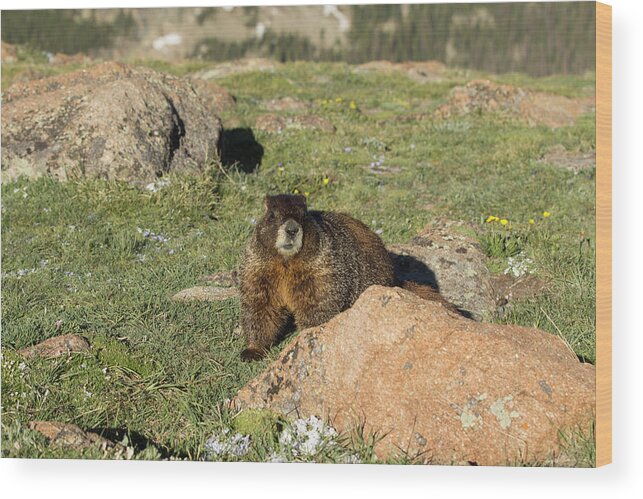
[603,234]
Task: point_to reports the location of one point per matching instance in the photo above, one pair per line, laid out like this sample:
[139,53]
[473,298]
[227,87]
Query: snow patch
[332,10]
[167,41]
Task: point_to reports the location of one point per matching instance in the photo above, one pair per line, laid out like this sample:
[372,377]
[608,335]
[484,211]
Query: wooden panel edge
[603,433]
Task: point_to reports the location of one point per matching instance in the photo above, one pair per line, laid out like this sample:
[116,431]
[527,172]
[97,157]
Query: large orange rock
[110,121]
[430,383]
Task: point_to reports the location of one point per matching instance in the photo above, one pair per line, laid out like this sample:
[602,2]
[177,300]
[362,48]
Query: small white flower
[352,459]
[276,458]
[151,235]
[225,444]
[519,265]
[306,437]
[156,186]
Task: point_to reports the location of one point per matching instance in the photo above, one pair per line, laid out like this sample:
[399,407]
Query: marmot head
[282,225]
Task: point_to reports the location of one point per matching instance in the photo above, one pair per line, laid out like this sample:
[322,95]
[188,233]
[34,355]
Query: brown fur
[308,266]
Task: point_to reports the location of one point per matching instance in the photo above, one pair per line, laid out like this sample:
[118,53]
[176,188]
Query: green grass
[76,259]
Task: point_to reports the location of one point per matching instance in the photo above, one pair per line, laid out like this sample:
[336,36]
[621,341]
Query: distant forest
[535,38]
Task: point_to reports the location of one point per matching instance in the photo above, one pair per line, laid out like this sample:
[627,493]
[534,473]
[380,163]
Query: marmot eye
[271,215]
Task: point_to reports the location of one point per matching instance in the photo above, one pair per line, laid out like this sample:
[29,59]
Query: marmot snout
[289,238]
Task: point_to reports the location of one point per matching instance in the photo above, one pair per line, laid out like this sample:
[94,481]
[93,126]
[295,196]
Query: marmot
[308,266]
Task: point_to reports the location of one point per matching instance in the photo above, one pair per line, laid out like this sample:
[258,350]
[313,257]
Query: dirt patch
[570,160]
[60,59]
[273,123]
[9,53]
[286,104]
[29,75]
[241,66]
[420,72]
[484,96]
[507,288]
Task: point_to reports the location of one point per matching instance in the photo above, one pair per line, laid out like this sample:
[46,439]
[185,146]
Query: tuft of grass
[497,245]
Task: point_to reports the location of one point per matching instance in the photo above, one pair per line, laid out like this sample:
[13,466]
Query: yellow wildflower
[352,105]
[532,221]
[296,191]
[491,218]
[504,221]
[338,99]
[280,169]
[325,181]
[306,193]
[546,214]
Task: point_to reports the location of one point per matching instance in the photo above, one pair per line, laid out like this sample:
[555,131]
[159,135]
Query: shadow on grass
[241,150]
[135,439]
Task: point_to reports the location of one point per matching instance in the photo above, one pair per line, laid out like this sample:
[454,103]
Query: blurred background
[534,38]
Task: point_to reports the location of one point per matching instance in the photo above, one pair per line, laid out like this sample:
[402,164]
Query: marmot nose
[292,231]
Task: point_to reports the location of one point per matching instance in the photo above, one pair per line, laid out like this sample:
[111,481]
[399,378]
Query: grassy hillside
[539,38]
[101,258]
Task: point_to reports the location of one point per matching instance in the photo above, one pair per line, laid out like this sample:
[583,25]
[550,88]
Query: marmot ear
[300,200]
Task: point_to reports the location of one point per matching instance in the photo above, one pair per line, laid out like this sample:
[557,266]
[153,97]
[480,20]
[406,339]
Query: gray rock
[57,346]
[111,121]
[446,257]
